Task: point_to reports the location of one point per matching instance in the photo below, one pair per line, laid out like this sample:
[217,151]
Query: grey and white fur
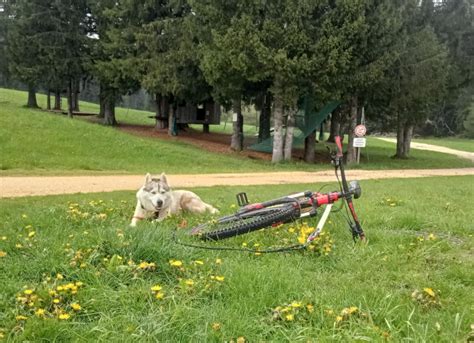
[155,199]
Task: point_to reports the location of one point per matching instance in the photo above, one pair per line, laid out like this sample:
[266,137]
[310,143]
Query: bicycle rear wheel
[239,224]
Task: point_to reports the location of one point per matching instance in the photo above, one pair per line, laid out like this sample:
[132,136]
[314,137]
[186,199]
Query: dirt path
[45,185]
[437,148]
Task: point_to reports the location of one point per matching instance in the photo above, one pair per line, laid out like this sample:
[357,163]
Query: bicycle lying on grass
[252,217]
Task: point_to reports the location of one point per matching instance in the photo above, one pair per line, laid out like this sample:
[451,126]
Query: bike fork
[321,223]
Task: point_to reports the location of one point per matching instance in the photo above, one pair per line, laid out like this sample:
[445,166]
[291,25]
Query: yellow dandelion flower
[241,339]
[79,283]
[176,263]
[56,301]
[431,237]
[156,288]
[28,291]
[20,317]
[60,288]
[160,295]
[353,309]
[76,306]
[220,278]
[24,216]
[4,238]
[216,326]
[64,316]
[430,292]
[290,317]
[338,319]
[296,304]
[31,234]
[310,308]
[59,276]
[3,253]
[199,262]
[244,244]
[218,261]
[291,230]
[189,282]
[258,253]
[18,246]
[40,312]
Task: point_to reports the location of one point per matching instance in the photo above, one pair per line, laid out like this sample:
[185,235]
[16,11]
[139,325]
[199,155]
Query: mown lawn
[39,143]
[35,142]
[72,270]
[464,144]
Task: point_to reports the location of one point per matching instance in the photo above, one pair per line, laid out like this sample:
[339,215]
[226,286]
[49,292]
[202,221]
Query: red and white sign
[360,130]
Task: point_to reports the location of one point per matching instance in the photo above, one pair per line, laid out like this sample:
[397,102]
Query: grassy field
[464,144]
[37,142]
[72,270]
[34,142]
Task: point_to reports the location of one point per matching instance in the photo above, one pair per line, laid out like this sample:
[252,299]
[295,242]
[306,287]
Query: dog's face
[155,193]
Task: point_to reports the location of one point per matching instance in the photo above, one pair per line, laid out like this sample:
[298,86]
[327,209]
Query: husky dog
[156,200]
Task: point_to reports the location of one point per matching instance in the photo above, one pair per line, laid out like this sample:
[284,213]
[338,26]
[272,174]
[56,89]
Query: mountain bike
[271,213]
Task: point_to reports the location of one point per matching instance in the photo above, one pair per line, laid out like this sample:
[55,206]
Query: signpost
[360,131]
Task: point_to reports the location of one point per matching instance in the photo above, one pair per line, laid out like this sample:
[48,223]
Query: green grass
[35,142]
[464,144]
[420,237]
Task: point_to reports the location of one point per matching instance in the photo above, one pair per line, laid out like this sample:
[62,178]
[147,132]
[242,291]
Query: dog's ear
[164,181]
[147,178]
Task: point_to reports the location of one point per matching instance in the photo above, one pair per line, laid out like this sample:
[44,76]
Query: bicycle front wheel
[239,224]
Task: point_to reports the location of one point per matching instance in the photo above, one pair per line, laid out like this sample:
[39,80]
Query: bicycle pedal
[242,199]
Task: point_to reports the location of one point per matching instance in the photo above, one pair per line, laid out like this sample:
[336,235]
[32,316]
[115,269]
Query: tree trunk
[407,136]
[237,140]
[277,154]
[32,103]
[77,86]
[70,104]
[205,128]
[265,116]
[290,128]
[310,147]
[404,136]
[351,151]
[57,100]
[109,108]
[400,138]
[102,100]
[48,100]
[162,111]
[335,125]
[172,126]
[321,132]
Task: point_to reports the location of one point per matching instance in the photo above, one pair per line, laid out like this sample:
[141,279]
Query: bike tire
[239,224]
